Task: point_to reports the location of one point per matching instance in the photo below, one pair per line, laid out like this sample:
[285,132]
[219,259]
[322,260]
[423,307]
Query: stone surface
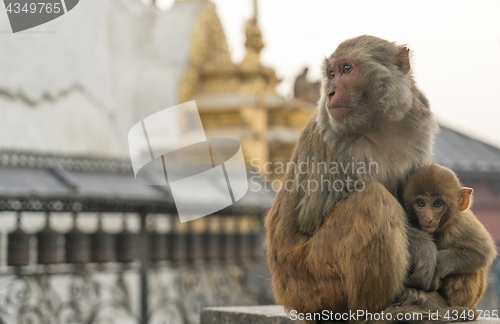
[488,321]
[270,314]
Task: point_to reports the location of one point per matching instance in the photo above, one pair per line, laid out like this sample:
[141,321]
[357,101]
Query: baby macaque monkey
[433,192]
[436,202]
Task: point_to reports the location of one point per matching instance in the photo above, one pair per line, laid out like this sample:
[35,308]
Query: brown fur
[465,249]
[423,259]
[344,251]
[399,141]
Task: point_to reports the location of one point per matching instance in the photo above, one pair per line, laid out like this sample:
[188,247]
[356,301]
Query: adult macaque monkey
[437,203]
[341,250]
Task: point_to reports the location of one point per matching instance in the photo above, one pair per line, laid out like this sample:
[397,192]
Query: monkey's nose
[331,94]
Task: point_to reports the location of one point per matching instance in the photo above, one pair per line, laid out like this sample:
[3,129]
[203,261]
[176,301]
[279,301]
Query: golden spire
[253,42]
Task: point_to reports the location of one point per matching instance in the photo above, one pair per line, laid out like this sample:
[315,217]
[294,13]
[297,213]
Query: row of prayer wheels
[72,247]
[77,247]
[206,246]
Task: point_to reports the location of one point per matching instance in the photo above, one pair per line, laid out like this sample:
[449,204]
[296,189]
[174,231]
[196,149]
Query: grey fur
[393,126]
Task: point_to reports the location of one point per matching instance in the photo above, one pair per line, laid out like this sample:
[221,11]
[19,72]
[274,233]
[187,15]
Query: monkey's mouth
[338,111]
[337,107]
[430,229]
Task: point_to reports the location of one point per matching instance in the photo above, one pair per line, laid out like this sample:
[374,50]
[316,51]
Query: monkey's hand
[436,282]
[423,259]
[411,296]
[439,274]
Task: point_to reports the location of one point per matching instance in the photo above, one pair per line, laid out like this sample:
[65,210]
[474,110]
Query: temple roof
[462,153]
[33,181]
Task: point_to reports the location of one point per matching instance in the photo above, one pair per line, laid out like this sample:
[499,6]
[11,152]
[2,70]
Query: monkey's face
[346,97]
[343,75]
[361,89]
[429,210]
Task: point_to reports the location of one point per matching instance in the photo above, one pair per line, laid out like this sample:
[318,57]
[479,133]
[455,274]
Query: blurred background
[82,242]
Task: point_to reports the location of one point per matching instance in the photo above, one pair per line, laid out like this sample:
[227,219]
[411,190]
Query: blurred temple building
[80,240]
[80,89]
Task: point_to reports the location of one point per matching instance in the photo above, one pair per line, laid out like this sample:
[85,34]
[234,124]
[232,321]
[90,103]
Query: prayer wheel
[78,245]
[178,246]
[127,245]
[179,242]
[50,245]
[246,238]
[257,249]
[158,242]
[18,251]
[214,239]
[158,246]
[197,230]
[103,245]
[230,239]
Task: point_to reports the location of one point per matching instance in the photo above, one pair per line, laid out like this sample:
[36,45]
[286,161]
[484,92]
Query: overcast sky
[455,46]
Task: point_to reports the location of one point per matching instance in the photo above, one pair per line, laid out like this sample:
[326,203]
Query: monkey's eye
[331,74]
[438,203]
[347,68]
[420,203]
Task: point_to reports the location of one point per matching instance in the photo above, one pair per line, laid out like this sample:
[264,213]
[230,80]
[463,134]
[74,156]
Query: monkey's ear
[403,59]
[465,194]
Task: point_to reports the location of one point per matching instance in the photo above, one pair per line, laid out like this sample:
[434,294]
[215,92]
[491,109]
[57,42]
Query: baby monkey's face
[429,210]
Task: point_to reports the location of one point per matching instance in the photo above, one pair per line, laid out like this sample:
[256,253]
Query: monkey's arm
[466,247]
[423,259]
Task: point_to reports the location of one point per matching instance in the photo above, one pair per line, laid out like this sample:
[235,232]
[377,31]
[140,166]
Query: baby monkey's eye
[347,68]
[420,203]
[438,203]
[331,74]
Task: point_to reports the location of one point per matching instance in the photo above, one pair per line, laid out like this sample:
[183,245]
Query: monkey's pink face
[429,211]
[342,75]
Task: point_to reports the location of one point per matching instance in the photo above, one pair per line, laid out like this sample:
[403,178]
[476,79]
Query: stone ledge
[270,314]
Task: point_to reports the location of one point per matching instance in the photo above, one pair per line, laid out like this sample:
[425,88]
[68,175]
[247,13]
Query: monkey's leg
[464,289]
[372,251]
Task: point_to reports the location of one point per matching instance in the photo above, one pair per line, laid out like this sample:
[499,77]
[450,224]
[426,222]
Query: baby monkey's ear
[465,198]
[403,60]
